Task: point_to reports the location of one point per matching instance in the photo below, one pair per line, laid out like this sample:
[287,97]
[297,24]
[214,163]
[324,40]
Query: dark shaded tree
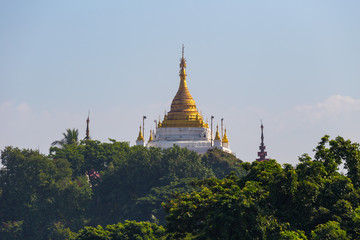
[39,192]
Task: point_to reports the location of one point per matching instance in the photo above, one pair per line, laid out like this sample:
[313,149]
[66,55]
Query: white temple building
[183,125]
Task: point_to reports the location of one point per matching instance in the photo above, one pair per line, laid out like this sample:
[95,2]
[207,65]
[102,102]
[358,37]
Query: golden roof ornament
[140,137]
[225,139]
[217,135]
[182,63]
[151,136]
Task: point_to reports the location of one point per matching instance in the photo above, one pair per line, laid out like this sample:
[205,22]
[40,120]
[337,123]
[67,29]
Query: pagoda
[262,154]
[183,125]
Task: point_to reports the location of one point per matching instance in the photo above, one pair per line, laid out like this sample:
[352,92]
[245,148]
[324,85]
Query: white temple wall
[195,139]
[183,134]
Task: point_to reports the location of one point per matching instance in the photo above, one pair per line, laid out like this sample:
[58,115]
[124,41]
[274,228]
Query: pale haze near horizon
[292,64]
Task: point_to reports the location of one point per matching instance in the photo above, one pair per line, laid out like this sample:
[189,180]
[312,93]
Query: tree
[222,163]
[38,192]
[134,181]
[292,235]
[71,136]
[49,197]
[311,200]
[123,231]
[59,232]
[11,230]
[221,210]
[133,188]
[329,231]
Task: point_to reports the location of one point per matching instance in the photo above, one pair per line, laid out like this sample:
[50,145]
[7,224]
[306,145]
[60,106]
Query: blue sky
[293,64]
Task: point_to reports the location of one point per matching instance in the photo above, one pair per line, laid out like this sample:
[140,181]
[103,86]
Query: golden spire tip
[183,50]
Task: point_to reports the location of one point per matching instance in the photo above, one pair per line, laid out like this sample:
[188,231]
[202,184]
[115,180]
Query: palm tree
[71,136]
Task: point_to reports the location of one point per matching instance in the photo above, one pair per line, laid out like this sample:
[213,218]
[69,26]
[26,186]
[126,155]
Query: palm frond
[70,136]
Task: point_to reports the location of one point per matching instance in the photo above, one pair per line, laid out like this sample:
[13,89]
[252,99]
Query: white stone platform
[196,139]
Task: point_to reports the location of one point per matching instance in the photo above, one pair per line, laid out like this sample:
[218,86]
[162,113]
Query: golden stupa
[183,125]
[183,111]
[225,139]
[217,135]
[140,136]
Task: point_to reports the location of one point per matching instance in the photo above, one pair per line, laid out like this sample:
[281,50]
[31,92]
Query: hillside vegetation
[95,190]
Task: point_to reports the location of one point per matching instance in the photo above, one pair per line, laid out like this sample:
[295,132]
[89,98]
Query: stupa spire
[262,154]
[183,112]
[217,135]
[140,140]
[140,136]
[182,73]
[225,138]
[183,85]
[87,137]
[151,136]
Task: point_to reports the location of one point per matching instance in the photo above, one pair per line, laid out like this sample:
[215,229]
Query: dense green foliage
[94,190]
[123,231]
[309,201]
[37,193]
[50,197]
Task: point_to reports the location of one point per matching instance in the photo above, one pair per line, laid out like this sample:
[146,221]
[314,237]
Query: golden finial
[140,137]
[225,139]
[159,123]
[183,61]
[151,136]
[217,135]
[182,64]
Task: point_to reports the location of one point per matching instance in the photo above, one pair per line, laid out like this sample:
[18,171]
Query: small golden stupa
[140,136]
[225,139]
[151,137]
[217,135]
